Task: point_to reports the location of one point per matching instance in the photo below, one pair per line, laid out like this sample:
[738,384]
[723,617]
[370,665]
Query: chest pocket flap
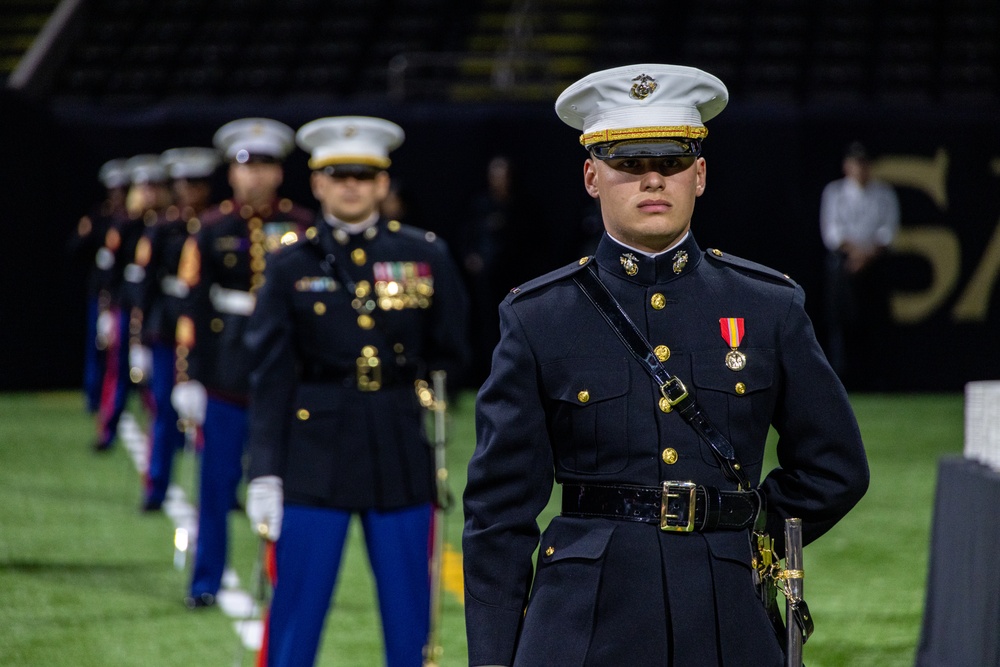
[586,380]
[709,370]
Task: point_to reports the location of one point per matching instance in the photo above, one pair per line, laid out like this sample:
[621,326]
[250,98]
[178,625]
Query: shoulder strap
[670,385]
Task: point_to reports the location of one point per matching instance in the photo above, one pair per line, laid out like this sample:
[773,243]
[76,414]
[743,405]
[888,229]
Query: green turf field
[88,581]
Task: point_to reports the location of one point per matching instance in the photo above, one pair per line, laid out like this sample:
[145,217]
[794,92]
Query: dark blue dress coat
[230,252]
[342,331]
[611,592]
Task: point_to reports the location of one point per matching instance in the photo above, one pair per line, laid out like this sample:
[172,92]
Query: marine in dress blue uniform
[118,326]
[222,267]
[567,404]
[348,320]
[158,294]
[86,240]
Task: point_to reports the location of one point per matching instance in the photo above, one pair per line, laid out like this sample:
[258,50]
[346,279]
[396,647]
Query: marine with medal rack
[352,325]
[222,268]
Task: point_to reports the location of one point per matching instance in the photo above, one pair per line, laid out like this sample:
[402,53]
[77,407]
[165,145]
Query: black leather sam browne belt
[681,507]
[676,506]
[671,387]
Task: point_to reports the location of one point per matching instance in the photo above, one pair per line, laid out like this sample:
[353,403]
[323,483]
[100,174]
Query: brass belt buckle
[677,506]
[676,387]
[369,369]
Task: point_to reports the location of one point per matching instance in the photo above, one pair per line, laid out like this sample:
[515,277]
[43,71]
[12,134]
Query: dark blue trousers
[166,438]
[309,553]
[93,360]
[116,383]
[225,433]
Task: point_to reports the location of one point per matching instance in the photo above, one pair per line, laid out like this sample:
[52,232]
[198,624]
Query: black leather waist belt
[327,374]
[317,373]
[675,506]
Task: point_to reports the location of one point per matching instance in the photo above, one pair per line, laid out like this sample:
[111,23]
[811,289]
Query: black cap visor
[362,172]
[640,148]
[244,156]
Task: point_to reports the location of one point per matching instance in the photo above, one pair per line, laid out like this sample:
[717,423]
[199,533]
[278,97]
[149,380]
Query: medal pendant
[732,332]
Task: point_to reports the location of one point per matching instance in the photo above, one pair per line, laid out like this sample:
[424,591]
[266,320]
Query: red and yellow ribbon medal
[732,333]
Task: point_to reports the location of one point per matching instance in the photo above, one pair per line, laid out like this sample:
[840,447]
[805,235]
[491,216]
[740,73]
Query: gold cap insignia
[643,87]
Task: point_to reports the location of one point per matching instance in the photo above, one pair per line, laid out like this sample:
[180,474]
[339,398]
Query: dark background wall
[767,167]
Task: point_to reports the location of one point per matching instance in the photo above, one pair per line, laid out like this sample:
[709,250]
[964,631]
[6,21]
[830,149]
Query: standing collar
[351,227]
[628,264]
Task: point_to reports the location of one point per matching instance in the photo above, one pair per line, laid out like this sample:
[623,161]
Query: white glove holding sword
[140,361]
[265,506]
[190,400]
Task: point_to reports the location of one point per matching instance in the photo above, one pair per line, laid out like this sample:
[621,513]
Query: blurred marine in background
[222,268]
[158,294]
[117,324]
[84,243]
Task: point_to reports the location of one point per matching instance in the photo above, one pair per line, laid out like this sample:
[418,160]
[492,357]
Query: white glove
[106,328]
[140,361]
[265,506]
[190,400]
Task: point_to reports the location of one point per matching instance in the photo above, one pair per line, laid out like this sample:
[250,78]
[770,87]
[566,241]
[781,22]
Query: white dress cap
[359,140]
[246,138]
[112,173]
[642,102]
[145,168]
[193,162]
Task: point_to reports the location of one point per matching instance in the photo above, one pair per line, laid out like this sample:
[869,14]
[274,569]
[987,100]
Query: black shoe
[101,447]
[199,601]
[152,505]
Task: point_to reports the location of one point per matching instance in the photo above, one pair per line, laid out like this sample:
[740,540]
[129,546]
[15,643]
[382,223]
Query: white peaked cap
[350,140]
[145,168]
[242,139]
[642,102]
[192,162]
[113,174]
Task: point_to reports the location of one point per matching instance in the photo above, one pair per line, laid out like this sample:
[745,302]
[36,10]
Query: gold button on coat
[359,257]
[319,307]
[302,414]
[670,456]
[365,321]
[658,301]
[583,396]
[665,404]
[662,352]
[741,388]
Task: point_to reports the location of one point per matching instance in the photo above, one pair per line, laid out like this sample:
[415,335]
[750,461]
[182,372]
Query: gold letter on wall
[927,174]
[939,246]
